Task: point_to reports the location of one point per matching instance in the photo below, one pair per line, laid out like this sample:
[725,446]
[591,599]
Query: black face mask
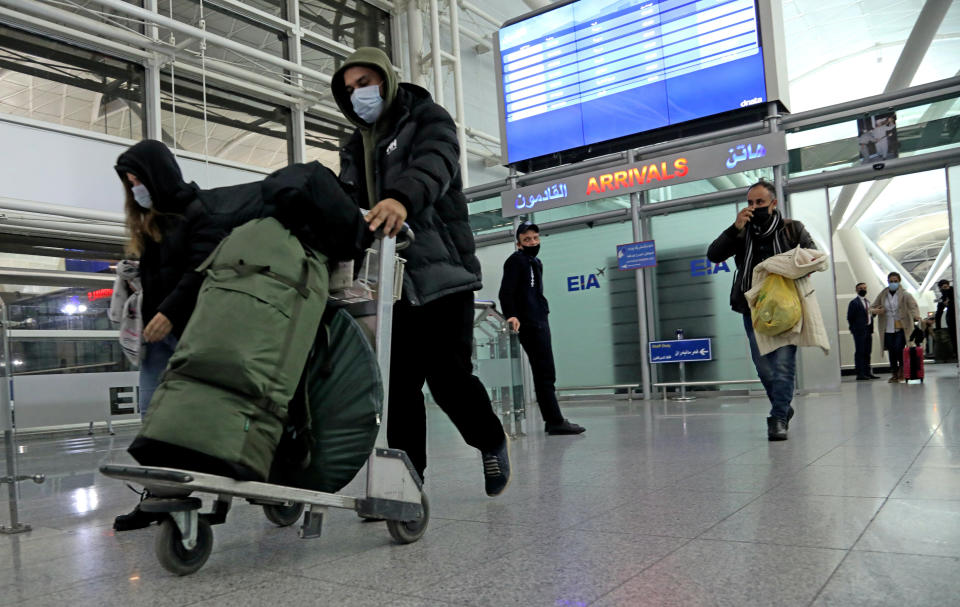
[531,251]
[761,215]
[862,292]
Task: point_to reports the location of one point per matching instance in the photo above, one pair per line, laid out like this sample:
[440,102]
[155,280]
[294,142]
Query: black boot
[789,417]
[137,518]
[776,429]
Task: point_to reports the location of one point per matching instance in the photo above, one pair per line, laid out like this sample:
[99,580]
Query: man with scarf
[526,309]
[760,232]
[402,163]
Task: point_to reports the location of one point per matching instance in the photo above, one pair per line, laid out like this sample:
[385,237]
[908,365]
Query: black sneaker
[496,469]
[564,427]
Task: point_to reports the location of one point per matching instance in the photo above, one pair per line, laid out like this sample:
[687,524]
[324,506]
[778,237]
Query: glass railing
[497,362]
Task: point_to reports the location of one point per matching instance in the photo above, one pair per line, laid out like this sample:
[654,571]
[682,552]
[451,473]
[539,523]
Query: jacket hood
[373,58]
[155,165]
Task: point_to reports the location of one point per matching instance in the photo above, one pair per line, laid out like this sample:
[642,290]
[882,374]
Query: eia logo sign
[584,282]
[703,267]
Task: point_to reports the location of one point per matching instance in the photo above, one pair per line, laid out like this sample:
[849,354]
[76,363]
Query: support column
[298,126]
[414,42]
[436,56]
[635,199]
[153,118]
[458,90]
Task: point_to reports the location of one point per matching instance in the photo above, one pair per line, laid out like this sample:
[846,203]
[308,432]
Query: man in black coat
[526,309]
[860,322]
[402,163]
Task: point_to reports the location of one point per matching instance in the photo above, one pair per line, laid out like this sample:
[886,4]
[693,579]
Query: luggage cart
[394,491]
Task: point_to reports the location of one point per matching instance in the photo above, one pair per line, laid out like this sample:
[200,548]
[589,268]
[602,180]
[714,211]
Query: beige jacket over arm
[795,264]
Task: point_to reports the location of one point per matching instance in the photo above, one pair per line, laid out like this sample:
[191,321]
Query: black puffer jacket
[170,284]
[417,163]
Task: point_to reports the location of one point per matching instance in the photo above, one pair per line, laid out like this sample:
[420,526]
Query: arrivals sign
[693,165]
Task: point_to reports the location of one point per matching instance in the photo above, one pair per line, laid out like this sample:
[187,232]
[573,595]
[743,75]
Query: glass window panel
[351,22]
[593,313]
[238,128]
[324,139]
[692,294]
[233,25]
[49,81]
[486,216]
[816,371]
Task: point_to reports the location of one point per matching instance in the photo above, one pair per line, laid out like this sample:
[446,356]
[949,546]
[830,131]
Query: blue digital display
[596,70]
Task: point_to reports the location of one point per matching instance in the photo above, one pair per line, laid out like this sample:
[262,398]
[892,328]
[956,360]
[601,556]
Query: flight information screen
[596,70]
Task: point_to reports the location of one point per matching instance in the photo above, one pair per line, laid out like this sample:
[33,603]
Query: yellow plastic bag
[777,308]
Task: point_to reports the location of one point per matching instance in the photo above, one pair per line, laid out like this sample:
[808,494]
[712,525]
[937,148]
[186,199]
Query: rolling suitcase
[913,363]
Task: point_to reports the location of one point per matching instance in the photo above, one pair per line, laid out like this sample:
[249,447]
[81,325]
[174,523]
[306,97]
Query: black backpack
[306,198]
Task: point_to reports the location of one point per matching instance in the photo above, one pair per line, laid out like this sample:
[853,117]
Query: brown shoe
[894,379]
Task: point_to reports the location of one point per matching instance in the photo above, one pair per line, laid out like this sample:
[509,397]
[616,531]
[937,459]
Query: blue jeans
[156,355]
[777,371]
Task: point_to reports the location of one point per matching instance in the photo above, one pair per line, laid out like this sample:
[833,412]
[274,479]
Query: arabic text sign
[636,255]
[680,350]
[702,163]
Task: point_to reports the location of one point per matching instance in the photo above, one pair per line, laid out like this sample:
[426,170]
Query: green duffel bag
[344,399]
[223,400]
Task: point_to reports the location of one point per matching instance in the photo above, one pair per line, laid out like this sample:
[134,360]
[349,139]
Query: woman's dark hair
[892,274]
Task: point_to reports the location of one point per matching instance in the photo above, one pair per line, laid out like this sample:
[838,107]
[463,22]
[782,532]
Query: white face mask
[367,102]
[142,196]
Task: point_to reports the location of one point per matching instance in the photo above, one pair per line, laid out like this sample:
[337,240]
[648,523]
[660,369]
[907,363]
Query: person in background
[169,230]
[860,323]
[403,163]
[526,309]
[945,308]
[896,310]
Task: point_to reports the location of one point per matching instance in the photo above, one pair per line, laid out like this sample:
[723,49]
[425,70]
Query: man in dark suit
[860,321]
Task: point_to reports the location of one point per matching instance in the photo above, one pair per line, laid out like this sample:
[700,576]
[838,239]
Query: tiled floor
[687,506]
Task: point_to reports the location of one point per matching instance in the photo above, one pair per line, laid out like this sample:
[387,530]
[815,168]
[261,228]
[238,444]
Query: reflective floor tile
[930,527]
[839,481]
[729,574]
[930,483]
[672,513]
[820,521]
[870,579]
[566,568]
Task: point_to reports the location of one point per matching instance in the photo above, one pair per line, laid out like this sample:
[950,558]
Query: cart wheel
[171,553]
[411,531]
[283,516]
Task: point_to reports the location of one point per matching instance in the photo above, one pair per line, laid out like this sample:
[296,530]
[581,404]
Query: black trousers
[863,343]
[536,343]
[894,343]
[434,343]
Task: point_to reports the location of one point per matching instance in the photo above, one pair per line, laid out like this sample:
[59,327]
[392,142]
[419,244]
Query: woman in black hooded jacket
[171,232]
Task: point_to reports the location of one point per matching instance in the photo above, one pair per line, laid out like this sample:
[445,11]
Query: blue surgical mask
[142,195]
[893,286]
[367,102]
